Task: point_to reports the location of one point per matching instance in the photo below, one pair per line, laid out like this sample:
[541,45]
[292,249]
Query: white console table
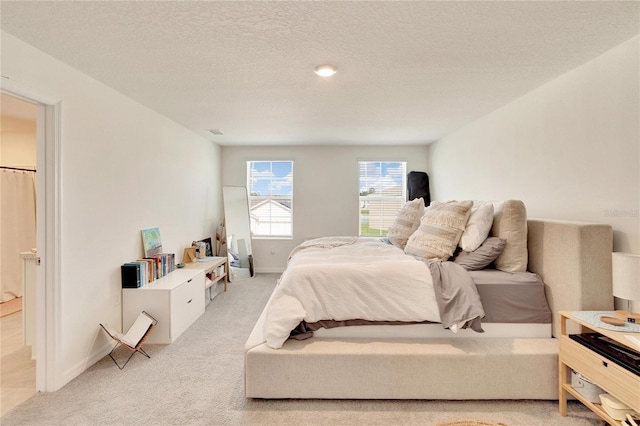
[175,300]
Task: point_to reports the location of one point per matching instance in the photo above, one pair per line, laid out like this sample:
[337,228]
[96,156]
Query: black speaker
[418,187]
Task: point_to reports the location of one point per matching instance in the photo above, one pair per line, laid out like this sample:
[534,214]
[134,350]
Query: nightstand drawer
[608,375]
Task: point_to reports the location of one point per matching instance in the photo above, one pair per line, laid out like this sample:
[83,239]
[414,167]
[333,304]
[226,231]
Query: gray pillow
[481,257]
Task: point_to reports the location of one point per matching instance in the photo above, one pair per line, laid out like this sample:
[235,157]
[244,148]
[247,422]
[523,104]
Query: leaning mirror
[238,230]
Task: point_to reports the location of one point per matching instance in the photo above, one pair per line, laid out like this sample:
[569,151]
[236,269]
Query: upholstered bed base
[574,261]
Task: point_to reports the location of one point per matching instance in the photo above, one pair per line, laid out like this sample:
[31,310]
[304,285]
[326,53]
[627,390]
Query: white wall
[18,142]
[124,168]
[570,149]
[325,189]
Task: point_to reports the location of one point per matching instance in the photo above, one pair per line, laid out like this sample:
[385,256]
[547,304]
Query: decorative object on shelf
[596,318]
[626,282]
[201,249]
[221,240]
[189,255]
[612,320]
[151,242]
[209,249]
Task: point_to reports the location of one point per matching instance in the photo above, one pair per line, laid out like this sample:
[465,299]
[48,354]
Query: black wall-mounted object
[418,187]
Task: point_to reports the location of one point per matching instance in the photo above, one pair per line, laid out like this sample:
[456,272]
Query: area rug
[470,423]
[10,307]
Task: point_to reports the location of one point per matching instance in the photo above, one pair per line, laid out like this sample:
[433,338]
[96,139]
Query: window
[383,188]
[270,185]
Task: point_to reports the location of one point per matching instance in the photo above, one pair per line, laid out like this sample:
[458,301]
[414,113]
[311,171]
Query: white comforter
[349,278]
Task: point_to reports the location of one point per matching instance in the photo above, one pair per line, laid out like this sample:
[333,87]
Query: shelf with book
[216,269]
[143,271]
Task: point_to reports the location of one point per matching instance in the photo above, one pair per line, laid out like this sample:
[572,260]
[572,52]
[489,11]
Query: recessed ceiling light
[325,70]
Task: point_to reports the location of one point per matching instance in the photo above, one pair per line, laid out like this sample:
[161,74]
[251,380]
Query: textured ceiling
[408,72]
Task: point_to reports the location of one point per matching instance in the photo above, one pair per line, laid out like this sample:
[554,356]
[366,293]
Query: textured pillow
[481,257]
[478,226]
[510,223]
[407,221]
[440,229]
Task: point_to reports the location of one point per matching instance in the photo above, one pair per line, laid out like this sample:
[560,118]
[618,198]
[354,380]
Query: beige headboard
[574,261]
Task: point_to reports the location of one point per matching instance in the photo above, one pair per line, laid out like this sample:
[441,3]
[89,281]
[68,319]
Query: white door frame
[48,283]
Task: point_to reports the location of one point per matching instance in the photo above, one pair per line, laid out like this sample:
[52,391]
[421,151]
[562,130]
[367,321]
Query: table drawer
[605,373]
[187,304]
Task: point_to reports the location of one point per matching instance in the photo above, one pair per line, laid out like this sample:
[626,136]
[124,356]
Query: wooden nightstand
[614,379]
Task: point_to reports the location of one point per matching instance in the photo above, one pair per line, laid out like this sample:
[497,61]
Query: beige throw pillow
[440,229]
[510,223]
[406,222]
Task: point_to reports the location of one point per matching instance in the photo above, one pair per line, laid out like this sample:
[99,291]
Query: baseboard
[87,362]
[269,270]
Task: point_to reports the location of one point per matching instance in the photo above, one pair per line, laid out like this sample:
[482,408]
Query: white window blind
[270,186]
[383,189]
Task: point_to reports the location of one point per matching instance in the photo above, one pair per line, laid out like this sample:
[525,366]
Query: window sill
[266,237]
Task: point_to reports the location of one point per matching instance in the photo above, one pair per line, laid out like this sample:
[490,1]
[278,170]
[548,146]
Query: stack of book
[144,271]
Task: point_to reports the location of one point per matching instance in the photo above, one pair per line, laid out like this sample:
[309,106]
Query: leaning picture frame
[151,242]
[209,248]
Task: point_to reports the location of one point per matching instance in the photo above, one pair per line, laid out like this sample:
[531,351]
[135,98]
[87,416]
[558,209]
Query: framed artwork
[189,255]
[151,242]
[209,251]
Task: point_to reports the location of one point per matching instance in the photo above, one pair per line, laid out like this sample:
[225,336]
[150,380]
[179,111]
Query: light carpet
[470,423]
[198,380]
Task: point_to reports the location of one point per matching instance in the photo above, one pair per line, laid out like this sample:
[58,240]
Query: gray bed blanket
[457,296]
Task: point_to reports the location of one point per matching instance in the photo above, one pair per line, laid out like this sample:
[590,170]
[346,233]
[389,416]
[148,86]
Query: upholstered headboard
[574,261]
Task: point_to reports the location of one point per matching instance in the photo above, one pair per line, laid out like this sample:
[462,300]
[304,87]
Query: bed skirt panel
[500,368]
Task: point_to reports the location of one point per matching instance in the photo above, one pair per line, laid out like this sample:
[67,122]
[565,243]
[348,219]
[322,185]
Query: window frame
[255,200]
[384,219]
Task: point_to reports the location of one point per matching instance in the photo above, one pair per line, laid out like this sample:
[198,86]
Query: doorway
[17,250]
[48,372]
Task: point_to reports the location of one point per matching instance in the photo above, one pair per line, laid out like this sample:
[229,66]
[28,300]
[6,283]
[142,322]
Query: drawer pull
[605,363]
[189,301]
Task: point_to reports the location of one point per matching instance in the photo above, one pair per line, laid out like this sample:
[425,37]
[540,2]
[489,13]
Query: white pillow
[406,222]
[478,226]
[440,229]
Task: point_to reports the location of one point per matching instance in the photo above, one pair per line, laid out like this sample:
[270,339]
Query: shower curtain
[17,227]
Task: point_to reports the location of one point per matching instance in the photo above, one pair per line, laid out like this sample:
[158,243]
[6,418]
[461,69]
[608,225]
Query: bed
[573,263]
